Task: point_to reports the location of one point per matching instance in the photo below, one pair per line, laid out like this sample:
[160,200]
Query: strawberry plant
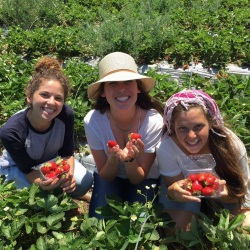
[31,215]
[36,219]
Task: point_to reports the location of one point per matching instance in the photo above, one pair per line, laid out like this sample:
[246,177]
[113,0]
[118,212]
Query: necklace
[132,124]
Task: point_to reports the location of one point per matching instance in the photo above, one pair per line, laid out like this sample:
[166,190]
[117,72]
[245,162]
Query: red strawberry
[134,136]
[52,165]
[58,170]
[66,167]
[201,177]
[112,143]
[207,191]
[45,169]
[196,186]
[192,177]
[210,180]
[51,175]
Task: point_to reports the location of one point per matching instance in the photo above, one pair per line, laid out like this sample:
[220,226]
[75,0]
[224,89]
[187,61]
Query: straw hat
[118,66]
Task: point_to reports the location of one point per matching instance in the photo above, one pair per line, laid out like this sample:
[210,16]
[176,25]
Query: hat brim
[148,82]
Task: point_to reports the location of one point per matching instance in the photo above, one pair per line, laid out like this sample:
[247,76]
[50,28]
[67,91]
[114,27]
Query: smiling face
[46,102]
[121,95]
[191,129]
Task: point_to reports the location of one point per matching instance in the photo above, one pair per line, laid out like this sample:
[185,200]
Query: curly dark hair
[144,100]
[47,68]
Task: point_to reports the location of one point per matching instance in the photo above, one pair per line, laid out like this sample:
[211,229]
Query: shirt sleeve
[13,134]
[97,130]
[151,130]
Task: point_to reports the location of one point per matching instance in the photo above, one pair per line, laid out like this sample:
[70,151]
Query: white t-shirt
[167,153]
[98,132]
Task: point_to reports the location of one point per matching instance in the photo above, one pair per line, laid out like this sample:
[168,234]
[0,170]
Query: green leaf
[41,228]
[58,235]
[224,219]
[236,222]
[100,236]
[152,236]
[55,218]
[28,227]
[47,202]
[41,245]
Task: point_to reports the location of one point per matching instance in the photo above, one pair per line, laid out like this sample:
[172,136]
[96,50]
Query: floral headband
[185,97]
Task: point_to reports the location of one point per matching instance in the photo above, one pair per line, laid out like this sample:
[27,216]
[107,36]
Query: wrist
[113,160]
[131,160]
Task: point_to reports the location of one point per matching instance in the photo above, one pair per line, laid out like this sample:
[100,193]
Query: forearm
[110,170]
[135,172]
[34,176]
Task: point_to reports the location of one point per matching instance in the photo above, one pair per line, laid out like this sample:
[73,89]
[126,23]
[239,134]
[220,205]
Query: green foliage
[59,41]
[212,32]
[35,219]
[30,214]
[14,74]
[126,226]
[81,76]
[206,233]
[30,13]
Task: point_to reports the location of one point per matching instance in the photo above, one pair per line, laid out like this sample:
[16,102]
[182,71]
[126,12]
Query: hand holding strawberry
[134,147]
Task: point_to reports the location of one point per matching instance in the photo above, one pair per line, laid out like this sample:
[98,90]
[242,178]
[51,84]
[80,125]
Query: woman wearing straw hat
[122,105]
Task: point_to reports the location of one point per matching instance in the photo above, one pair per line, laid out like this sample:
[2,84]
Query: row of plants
[232,92]
[35,219]
[214,32]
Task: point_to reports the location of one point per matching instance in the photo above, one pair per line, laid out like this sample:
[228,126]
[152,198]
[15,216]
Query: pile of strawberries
[202,184]
[52,169]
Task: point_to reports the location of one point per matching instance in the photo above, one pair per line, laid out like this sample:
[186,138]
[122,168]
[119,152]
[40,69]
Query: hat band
[118,70]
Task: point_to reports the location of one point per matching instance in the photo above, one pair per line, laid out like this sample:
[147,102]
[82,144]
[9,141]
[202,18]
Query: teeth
[193,142]
[122,99]
[50,111]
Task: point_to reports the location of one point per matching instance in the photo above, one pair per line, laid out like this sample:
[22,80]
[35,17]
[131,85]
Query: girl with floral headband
[194,125]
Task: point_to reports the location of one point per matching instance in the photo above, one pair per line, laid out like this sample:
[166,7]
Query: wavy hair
[47,68]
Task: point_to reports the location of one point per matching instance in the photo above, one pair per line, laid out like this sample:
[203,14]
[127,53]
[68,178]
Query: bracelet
[132,159]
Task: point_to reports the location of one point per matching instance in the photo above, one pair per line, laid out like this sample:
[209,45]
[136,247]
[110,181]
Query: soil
[83,203]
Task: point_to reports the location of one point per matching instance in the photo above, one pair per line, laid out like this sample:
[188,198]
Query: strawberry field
[213,33]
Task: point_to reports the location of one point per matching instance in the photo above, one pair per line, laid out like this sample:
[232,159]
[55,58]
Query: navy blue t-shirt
[28,147]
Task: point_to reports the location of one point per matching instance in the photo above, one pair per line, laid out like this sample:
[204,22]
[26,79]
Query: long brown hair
[228,165]
[144,100]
